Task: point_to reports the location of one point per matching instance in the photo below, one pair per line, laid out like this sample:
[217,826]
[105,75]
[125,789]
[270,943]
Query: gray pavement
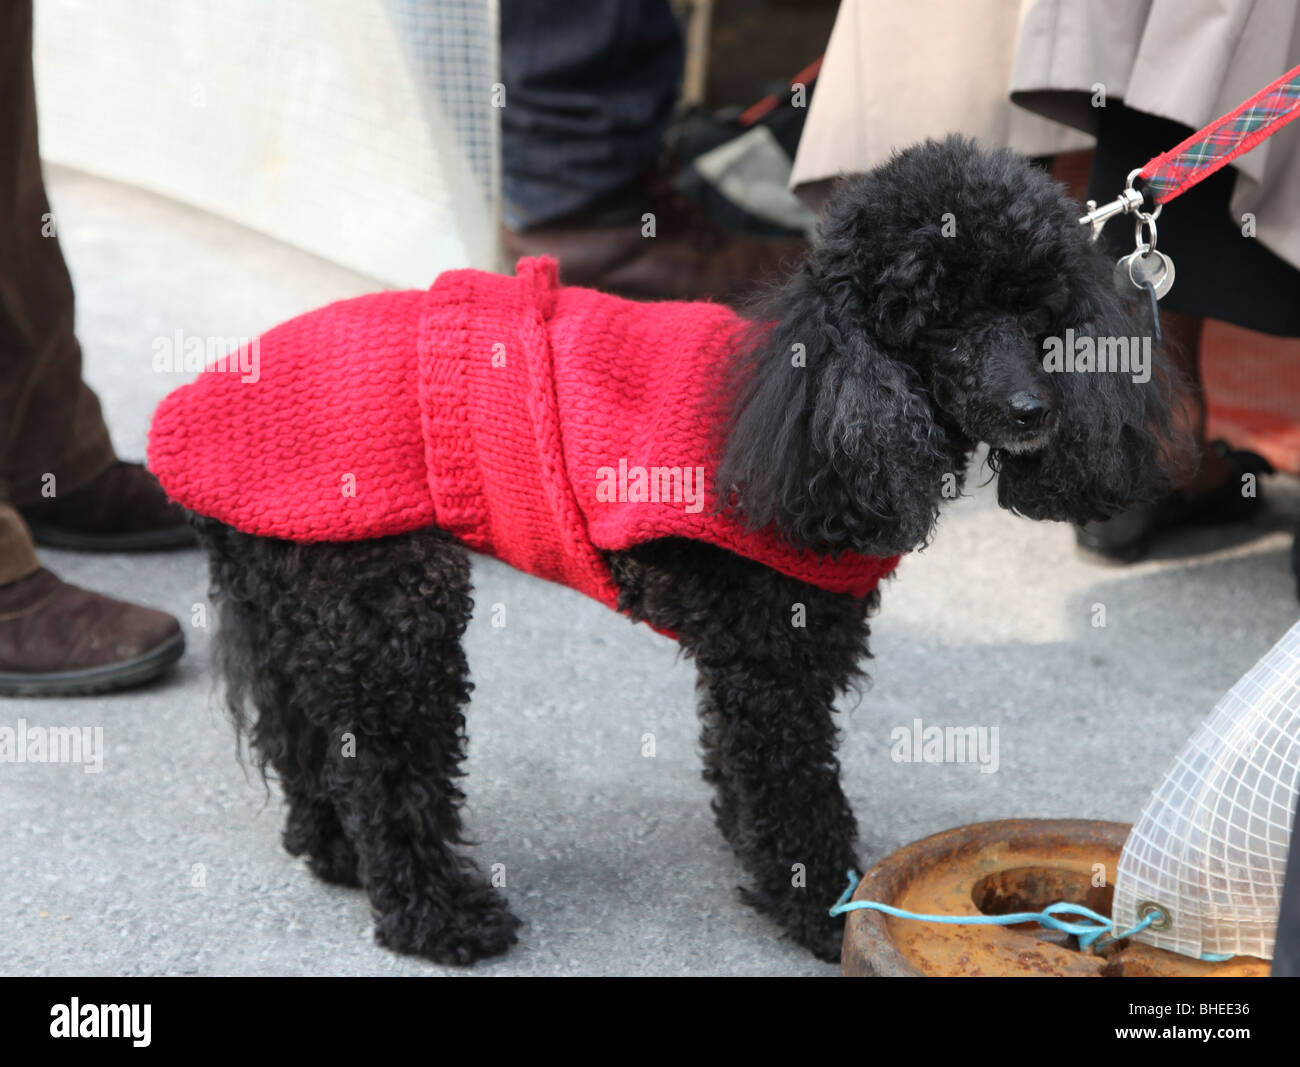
[168,861]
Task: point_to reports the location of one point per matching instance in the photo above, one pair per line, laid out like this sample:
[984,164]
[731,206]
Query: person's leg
[55,454]
[57,464]
[1182,334]
[590,87]
[50,422]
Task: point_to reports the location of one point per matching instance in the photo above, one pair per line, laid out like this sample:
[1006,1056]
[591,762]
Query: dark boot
[59,640]
[122,510]
[690,257]
[1128,536]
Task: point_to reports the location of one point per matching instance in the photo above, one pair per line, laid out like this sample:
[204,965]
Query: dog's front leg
[773,654]
[767,682]
[770,753]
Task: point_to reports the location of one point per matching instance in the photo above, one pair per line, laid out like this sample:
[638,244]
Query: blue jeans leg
[590,87]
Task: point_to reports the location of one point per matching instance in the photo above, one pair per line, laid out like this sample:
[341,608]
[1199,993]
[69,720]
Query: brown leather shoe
[123,510]
[690,257]
[59,640]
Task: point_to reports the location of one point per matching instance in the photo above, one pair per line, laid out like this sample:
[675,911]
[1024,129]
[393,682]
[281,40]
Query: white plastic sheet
[364,131]
[1210,848]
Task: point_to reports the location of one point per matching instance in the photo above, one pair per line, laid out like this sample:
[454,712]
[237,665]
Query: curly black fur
[766,691]
[916,345]
[351,656]
[896,347]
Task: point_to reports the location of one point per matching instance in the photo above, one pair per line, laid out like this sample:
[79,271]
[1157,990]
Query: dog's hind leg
[258,628]
[725,806]
[313,828]
[772,654]
[365,639]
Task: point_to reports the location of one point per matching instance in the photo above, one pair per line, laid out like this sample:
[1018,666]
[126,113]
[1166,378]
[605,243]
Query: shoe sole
[1117,556]
[107,679]
[49,536]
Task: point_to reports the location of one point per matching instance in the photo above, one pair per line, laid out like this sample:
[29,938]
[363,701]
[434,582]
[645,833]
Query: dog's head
[952,299]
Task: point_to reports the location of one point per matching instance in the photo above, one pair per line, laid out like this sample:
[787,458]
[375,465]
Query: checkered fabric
[1216,145]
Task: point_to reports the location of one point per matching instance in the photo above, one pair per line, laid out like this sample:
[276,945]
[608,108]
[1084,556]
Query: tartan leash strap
[1174,172]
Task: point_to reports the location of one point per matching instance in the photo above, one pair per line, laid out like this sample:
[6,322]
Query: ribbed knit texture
[324,446]
[518,415]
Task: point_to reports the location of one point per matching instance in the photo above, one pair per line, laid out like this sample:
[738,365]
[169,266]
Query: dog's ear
[831,438]
[1125,435]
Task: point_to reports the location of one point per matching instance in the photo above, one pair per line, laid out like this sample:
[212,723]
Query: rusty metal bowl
[996,868]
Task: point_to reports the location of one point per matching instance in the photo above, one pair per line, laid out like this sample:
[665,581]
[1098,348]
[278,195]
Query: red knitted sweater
[540,424]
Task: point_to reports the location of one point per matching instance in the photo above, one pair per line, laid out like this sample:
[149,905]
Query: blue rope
[1087,933]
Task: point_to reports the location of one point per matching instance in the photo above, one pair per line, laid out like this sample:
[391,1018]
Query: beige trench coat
[896,73]
[899,72]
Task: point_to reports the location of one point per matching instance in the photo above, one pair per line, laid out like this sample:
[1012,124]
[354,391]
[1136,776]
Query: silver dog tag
[1142,266]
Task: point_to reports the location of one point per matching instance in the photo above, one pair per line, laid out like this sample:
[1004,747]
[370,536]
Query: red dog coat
[540,424]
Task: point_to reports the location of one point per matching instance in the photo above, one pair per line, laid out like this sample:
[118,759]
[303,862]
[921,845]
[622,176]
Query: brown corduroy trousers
[50,422]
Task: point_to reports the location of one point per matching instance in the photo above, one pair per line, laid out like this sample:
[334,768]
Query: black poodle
[924,312]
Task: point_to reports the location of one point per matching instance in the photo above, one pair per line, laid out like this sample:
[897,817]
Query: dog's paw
[336,864]
[804,919]
[331,858]
[479,925]
[823,937]
[313,830]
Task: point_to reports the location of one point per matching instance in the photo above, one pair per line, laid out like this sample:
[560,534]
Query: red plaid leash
[1218,144]
[1174,172]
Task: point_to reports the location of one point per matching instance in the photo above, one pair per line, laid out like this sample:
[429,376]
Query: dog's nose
[1031,410]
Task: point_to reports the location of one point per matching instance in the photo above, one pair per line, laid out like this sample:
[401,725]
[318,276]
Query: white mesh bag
[1210,848]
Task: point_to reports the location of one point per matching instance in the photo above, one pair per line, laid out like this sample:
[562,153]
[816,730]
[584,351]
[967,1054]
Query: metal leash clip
[1145,268]
[1128,201]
